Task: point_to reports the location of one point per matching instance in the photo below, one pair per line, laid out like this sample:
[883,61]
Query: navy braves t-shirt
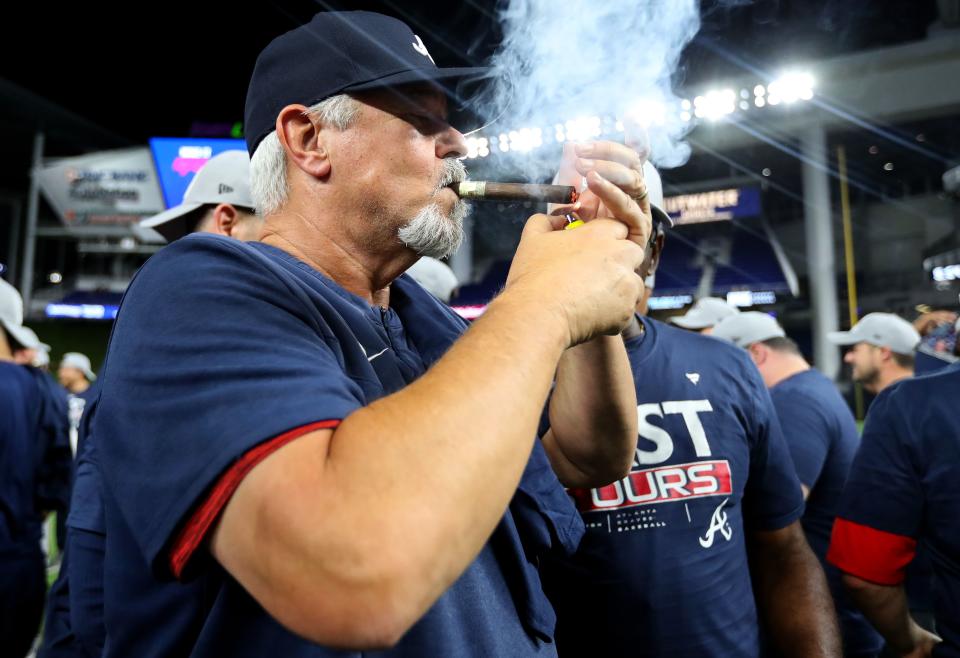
[822,437]
[223,350]
[903,487]
[662,569]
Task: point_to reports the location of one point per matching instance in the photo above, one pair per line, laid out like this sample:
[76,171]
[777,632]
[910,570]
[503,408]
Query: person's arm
[593,409]
[348,536]
[874,536]
[887,609]
[792,594]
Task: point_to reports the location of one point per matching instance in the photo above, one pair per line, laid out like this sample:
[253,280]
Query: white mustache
[454,171]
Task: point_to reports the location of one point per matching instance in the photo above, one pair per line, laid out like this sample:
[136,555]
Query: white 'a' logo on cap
[422,49]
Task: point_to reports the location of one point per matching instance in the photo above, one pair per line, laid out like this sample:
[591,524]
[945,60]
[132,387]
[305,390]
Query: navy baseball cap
[338,52]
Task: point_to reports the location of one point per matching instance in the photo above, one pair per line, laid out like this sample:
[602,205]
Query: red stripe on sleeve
[195,530]
[873,555]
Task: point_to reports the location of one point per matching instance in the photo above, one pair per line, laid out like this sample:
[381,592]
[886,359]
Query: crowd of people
[296,448]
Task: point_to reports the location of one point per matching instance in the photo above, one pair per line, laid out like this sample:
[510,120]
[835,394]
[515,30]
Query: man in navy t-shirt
[218,201]
[28,458]
[883,352]
[903,489]
[663,568]
[822,437]
[301,436]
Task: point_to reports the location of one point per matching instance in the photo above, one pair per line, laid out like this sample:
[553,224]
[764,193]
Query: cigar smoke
[582,58]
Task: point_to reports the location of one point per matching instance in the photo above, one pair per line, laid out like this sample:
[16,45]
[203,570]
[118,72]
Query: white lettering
[689,410]
[608,502]
[709,483]
[633,496]
[654,434]
[676,485]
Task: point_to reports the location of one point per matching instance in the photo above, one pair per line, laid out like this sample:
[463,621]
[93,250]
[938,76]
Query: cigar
[491,191]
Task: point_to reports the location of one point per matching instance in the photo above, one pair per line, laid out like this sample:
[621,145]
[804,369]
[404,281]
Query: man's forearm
[792,595]
[593,414]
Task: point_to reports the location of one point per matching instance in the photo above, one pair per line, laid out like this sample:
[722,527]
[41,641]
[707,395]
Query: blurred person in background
[822,436]
[218,201]
[705,313]
[27,459]
[75,373]
[885,352]
[903,492]
[883,349]
[938,343]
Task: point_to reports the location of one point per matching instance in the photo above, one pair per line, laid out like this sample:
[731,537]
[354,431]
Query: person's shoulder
[718,351]
[17,383]
[908,395]
[13,372]
[201,260]
[810,385]
[197,246]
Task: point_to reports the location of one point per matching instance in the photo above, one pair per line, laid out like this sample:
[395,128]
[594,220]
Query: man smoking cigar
[354,468]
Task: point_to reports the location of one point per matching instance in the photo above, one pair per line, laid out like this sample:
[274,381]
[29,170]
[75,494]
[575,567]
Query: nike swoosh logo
[371,358]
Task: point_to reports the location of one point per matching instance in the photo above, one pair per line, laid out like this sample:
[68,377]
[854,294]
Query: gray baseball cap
[745,329]
[79,361]
[882,330]
[11,316]
[35,343]
[225,178]
[705,312]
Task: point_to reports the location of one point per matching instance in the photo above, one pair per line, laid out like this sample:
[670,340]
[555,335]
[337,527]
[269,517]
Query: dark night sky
[155,68]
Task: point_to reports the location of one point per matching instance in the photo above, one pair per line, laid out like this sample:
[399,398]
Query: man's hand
[887,609]
[588,276]
[923,642]
[620,165]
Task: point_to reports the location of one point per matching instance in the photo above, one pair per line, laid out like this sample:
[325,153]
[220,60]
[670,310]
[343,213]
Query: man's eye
[425,122]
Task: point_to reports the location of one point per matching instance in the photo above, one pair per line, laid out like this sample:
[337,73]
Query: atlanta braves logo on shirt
[718,523]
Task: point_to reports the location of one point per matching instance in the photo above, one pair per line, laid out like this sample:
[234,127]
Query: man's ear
[758,352]
[225,219]
[657,251]
[303,140]
[886,354]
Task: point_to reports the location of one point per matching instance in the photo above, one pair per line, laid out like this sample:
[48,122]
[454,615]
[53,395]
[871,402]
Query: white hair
[268,165]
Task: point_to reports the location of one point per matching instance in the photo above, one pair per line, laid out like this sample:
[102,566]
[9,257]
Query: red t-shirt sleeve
[873,555]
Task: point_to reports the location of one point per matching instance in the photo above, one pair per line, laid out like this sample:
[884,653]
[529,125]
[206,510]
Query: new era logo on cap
[224,189]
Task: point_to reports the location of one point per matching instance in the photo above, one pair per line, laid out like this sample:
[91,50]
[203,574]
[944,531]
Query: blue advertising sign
[713,206]
[178,159]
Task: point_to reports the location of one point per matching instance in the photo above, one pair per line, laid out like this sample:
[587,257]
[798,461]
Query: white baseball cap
[79,361]
[11,316]
[745,329]
[435,276]
[705,312]
[882,330]
[225,178]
